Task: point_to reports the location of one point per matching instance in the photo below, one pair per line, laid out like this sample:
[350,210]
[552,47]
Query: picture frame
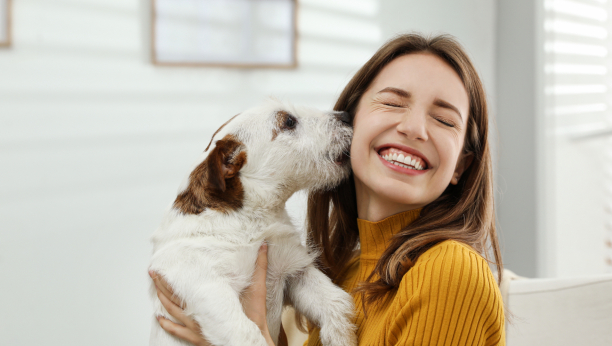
[5,23]
[224,33]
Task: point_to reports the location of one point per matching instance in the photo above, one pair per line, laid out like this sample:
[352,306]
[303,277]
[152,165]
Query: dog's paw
[337,328]
[341,333]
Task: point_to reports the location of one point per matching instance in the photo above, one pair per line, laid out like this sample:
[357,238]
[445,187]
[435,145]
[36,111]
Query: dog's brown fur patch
[281,117]
[215,183]
[274,134]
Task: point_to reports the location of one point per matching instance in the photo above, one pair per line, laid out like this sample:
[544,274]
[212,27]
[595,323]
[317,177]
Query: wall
[517,100]
[94,141]
[472,22]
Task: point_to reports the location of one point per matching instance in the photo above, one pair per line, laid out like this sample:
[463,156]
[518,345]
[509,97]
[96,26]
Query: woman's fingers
[182,332]
[261,270]
[254,300]
[171,303]
[189,331]
[163,286]
[178,313]
[254,303]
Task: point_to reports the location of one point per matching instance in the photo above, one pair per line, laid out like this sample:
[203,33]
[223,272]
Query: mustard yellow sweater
[449,297]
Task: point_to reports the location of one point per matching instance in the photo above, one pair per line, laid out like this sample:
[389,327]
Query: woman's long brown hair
[464,212]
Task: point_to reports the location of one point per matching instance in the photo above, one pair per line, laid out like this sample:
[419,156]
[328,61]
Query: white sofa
[565,311]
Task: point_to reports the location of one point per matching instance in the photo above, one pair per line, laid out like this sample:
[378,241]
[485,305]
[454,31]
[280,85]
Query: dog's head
[270,152]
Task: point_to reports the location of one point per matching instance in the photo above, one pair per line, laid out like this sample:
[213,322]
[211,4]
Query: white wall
[472,22]
[94,141]
[517,101]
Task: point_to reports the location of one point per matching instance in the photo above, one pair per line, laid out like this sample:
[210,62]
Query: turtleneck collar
[374,236]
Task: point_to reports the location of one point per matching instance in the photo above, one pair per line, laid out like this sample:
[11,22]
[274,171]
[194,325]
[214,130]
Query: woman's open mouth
[403,159]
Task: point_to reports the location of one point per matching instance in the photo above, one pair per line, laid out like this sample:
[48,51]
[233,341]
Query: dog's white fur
[208,258]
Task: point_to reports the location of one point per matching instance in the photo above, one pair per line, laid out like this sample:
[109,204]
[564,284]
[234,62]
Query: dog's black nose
[344,117]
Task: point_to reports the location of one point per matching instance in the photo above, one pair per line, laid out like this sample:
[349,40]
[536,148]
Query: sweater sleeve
[449,297]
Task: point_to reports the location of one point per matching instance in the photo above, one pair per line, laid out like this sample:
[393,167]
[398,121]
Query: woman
[408,231]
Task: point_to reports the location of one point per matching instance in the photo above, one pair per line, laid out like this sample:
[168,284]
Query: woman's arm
[254,304]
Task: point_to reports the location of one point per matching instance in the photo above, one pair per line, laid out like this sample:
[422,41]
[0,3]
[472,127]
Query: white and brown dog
[232,201]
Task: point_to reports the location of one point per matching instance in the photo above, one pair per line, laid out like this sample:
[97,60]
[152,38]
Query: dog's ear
[219,129]
[214,183]
[224,162]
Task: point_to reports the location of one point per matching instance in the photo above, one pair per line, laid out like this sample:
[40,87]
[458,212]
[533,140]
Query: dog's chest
[286,257]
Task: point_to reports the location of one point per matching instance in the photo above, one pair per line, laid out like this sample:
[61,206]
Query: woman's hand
[253,301]
[190,329]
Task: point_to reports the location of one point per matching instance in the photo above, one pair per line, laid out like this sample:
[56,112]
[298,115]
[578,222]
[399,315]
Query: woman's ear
[465,160]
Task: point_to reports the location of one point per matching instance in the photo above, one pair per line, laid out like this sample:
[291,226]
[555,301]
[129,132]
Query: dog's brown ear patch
[215,183]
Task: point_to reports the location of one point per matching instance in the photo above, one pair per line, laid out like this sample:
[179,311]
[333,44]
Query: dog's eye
[290,123]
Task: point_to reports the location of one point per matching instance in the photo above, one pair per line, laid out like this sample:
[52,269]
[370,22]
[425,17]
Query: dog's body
[235,199]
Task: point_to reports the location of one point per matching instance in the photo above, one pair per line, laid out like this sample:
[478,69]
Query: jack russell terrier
[234,199]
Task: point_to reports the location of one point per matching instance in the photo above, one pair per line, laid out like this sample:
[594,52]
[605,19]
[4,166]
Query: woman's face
[408,137]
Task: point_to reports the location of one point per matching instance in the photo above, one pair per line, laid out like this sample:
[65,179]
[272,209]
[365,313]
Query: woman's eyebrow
[396,91]
[444,104]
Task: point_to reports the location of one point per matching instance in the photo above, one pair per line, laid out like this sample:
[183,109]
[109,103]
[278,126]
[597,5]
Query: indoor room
[109,108]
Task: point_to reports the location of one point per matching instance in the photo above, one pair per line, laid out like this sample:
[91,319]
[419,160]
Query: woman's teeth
[403,161]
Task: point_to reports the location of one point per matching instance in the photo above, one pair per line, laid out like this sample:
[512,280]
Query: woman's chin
[400,195]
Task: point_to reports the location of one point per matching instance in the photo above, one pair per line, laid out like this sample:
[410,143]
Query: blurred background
[95,139]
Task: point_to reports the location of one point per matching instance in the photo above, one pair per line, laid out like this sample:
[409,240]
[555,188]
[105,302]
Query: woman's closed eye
[392,104]
[444,121]
[390,101]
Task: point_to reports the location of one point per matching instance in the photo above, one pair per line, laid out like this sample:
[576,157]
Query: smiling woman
[409,112]
[408,234]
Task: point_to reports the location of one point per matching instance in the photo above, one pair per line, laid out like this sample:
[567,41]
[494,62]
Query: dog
[232,201]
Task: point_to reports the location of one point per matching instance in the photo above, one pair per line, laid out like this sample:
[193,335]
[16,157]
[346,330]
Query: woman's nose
[414,125]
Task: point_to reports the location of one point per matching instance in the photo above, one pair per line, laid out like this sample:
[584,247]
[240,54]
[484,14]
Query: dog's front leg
[218,310]
[327,305]
[222,318]
[215,306]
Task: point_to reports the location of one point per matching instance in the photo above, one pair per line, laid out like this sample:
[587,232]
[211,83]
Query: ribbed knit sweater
[449,297]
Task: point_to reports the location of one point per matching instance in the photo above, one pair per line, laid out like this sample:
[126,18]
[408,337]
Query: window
[578,127]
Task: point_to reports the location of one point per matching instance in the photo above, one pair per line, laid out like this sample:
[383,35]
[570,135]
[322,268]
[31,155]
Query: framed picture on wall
[231,33]
[5,23]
